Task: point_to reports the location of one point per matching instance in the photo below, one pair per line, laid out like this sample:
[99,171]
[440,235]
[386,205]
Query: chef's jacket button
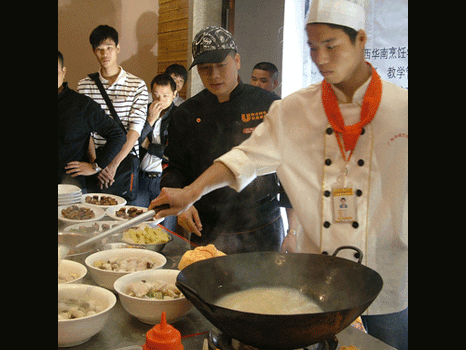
[358,193]
[329,131]
[326,224]
[363,131]
[328,161]
[327,193]
[360,162]
[355,224]
[325,252]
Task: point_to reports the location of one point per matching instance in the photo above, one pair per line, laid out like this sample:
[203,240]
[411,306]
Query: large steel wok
[343,289]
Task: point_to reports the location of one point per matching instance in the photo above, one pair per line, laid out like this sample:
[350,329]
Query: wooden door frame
[228,15]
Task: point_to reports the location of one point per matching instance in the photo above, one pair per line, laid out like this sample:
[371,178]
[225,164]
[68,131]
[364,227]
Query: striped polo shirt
[129,97]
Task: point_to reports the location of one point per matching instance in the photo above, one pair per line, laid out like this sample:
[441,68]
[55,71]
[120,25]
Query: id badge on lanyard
[344,202]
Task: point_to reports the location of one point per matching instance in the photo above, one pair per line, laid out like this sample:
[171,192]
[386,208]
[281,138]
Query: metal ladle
[63,249]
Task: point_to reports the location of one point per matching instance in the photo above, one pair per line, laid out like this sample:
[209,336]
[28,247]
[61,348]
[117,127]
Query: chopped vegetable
[146,235]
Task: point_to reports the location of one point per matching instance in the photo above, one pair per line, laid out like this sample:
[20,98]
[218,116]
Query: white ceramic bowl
[80,330]
[106,278]
[150,310]
[72,267]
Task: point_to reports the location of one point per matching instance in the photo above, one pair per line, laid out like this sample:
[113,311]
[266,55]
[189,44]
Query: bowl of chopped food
[106,266]
[71,272]
[83,311]
[78,213]
[147,237]
[146,294]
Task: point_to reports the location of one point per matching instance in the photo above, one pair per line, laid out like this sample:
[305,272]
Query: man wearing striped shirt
[127,92]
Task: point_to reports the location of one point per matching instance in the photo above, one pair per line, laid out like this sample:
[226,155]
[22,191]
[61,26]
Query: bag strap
[95,78]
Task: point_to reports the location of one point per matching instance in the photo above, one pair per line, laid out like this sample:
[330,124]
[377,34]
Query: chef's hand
[190,221]
[216,176]
[178,199]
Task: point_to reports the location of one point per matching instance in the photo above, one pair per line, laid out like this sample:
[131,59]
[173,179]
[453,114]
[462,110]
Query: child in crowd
[153,138]
[179,74]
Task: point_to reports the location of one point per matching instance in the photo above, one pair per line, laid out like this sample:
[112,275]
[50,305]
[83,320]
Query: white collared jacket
[297,142]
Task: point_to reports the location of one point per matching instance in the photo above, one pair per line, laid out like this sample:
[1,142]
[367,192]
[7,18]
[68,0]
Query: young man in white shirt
[127,92]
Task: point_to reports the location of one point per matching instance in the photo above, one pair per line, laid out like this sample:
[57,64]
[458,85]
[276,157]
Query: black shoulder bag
[127,175]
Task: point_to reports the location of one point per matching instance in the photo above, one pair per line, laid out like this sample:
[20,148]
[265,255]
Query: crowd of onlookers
[95,146]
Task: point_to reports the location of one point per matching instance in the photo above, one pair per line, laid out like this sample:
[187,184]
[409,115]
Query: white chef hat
[348,13]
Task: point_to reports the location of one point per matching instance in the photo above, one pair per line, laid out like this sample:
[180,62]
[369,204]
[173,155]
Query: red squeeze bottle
[163,337]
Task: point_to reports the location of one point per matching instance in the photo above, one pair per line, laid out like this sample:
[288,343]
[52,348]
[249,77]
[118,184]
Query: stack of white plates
[69,194]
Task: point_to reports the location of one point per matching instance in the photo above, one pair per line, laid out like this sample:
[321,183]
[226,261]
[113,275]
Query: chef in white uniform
[343,138]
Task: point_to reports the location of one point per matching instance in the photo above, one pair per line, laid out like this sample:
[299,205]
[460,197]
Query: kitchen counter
[122,329]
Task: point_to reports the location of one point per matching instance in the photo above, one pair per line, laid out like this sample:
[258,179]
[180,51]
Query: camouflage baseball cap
[212,45]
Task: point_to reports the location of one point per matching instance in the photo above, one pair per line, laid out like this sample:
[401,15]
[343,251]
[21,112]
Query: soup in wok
[270,301]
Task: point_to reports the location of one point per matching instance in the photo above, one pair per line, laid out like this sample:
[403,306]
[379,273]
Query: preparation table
[123,330]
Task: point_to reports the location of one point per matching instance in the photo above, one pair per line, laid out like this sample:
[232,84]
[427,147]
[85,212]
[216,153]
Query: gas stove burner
[218,340]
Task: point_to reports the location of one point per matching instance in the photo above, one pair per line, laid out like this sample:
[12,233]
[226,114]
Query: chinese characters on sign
[390,62]
[386,53]
[387,41]
[389,53]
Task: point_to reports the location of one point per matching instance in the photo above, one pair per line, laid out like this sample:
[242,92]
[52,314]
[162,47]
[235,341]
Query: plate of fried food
[77,213]
[125,212]
[103,200]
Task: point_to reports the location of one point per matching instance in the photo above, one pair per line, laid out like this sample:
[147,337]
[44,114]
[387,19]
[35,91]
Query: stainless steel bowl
[73,238]
[115,245]
[155,247]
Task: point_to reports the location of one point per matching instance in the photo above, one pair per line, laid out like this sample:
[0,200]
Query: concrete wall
[136,26]
[259,34]
[203,13]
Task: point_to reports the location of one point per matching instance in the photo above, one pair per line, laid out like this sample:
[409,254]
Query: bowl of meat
[106,266]
[71,272]
[83,311]
[78,213]
[146,294]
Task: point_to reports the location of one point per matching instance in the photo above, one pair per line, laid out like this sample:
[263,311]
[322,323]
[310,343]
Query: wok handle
[194,297]
[358,256]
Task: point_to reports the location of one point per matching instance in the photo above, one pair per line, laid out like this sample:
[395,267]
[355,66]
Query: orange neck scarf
[369,107]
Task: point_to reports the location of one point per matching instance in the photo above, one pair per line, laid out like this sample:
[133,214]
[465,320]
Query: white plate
[99,213]
[67,190]
[63,198]
[121,201]
[112,210]
[68,201]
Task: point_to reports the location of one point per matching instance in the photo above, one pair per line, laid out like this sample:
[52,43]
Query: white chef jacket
[296,141]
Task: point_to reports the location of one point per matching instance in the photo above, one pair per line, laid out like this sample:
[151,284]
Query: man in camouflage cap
[212,45]
[205,127]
